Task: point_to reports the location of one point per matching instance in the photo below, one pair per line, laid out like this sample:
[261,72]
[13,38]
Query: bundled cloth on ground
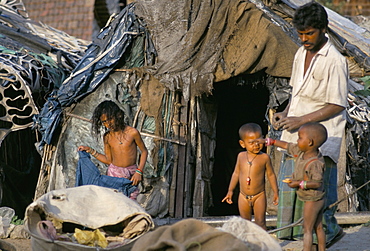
[193,234]
[62,219]
[189,234]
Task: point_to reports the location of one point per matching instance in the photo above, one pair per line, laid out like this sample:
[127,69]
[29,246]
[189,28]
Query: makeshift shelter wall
[191,196]
[76,130]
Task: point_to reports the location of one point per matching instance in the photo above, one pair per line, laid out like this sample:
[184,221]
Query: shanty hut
[188,74]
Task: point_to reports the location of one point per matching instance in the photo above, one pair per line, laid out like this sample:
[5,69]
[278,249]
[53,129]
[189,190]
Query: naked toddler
[251,167]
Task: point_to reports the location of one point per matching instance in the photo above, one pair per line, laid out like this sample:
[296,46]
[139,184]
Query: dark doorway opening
[240,100]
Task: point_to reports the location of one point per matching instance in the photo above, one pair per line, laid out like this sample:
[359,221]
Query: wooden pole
[180,184]
[176,135]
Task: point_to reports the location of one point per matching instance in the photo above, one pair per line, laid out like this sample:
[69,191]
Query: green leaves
[366,91]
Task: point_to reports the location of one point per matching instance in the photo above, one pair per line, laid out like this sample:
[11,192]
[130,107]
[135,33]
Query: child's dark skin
[313,210]
[120,148]
[251,179]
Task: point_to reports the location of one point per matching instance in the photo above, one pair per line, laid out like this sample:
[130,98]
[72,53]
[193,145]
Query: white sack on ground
[253,236]
[92,207]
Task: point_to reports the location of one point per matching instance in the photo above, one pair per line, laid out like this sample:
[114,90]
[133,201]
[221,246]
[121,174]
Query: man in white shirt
[319,80]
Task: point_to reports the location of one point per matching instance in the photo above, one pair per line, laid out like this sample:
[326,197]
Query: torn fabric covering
[205,35]
[86,207]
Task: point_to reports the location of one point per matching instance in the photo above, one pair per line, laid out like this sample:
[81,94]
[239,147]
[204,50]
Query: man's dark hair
[312,15]
[112,111]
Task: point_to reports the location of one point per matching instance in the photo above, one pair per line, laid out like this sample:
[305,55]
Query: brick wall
[75,17]
[354,7]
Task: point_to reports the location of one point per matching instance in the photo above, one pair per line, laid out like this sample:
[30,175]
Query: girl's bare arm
[99,156]
[143,150]
[137,177]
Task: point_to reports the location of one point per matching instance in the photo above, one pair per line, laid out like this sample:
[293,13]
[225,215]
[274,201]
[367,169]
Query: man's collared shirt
[325,81]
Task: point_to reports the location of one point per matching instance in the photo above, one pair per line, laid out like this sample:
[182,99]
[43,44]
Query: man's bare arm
[293,123]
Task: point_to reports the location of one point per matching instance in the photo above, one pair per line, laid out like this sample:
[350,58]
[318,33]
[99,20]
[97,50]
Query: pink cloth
[124,172]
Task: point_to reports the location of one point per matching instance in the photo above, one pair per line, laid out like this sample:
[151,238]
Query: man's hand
[136,178]
[276,119]
[291,123]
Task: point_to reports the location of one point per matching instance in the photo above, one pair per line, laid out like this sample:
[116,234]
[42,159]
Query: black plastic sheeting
[101,57]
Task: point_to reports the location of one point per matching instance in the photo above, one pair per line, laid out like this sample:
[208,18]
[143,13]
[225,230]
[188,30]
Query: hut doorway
[240,100]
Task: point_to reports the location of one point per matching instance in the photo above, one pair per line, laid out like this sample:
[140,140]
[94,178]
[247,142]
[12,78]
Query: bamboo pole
[44,171]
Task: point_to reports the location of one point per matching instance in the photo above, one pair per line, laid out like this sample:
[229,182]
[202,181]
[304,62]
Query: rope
[299,221]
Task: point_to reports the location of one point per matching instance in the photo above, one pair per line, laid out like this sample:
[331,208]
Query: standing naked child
[250,169]
[308,178]
[120,144]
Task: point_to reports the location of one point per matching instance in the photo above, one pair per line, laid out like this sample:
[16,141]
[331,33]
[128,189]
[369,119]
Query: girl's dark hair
[112,111]
[312,15]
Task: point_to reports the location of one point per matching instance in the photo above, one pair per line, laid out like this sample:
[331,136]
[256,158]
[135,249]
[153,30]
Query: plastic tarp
[101,57]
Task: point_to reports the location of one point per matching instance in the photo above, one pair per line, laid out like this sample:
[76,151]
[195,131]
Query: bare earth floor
[356,238]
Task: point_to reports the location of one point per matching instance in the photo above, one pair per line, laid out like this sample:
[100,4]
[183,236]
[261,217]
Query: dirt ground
[356,238]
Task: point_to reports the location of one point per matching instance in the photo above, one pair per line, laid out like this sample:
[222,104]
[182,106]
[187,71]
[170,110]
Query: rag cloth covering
[200,42]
